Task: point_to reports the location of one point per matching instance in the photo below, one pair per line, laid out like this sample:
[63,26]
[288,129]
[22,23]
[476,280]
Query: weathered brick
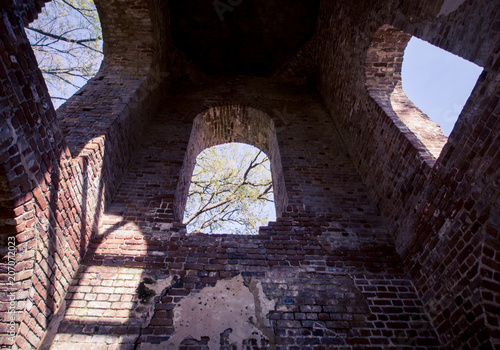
[366,195]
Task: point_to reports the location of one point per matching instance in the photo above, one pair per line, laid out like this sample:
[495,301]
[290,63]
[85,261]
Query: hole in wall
[383,72]
[231,191]
[67,42]
[231,124]
[437,82]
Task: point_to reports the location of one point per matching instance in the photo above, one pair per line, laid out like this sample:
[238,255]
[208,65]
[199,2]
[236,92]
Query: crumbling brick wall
[442,240]
[329,272]
[381,243]
[60,168]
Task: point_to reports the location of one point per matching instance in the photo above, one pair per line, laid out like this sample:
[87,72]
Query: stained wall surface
[379,241]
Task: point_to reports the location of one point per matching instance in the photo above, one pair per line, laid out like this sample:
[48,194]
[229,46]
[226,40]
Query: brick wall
[381,243]
[384,60]
[59,170]
[422,200]
[33,159]
[327,265]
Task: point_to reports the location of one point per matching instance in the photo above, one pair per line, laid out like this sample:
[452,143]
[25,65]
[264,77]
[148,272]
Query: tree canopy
[231,191]
[67,41]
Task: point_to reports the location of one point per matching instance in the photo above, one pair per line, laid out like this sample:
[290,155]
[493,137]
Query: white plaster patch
[161,285]
[449,6]
[228,305]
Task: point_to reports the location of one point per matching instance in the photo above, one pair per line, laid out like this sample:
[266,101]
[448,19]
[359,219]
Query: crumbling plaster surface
[230,304]
[157,288]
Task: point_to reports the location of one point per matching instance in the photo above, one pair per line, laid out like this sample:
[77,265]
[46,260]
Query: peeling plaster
[230,304]
[161,285]
[449,6]
[158,289]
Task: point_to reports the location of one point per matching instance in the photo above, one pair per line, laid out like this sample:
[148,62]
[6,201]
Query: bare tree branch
[69,40]
[226,192]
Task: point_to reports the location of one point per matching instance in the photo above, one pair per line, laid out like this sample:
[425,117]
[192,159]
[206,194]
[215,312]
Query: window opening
[231,191]
[437,82]
[67,41]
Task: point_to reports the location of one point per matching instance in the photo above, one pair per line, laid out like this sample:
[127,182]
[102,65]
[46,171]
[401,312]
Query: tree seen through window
[67,41]
[231,191]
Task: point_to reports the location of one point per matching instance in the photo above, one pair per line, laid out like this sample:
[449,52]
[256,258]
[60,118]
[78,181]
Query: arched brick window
[67,41]
[383,81]
[228,124]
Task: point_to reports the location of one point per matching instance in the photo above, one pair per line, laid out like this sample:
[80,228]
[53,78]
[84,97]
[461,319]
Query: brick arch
[384,60]
[232,123]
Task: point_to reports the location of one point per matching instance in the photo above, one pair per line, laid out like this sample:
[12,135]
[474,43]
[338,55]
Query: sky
[58,18]
[437,82]
[219,162]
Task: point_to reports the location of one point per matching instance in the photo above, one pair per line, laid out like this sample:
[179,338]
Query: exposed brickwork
[323,308]
[378,244]
[57,184]
[334,276]
[440,239]
[45,194]
[384,60]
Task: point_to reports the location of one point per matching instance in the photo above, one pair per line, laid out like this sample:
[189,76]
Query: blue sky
[437,82]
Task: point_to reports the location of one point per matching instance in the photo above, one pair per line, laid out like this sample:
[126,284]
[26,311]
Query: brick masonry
[387,233]
[423,198]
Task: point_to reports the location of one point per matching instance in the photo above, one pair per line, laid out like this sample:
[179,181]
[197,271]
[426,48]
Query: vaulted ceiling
[241,37]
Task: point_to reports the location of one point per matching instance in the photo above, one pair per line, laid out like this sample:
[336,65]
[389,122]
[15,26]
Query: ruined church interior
[387,231]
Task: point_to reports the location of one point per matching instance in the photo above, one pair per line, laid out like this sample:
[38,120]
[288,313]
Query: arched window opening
[67,41]
[231,124]
[383,70]
[231,191]
[437,82]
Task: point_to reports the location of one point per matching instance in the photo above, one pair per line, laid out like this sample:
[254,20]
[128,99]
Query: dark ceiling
[242,37]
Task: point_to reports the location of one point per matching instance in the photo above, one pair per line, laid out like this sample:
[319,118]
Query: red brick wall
[441,239]
[342,167]
[328,263]
[59,170]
